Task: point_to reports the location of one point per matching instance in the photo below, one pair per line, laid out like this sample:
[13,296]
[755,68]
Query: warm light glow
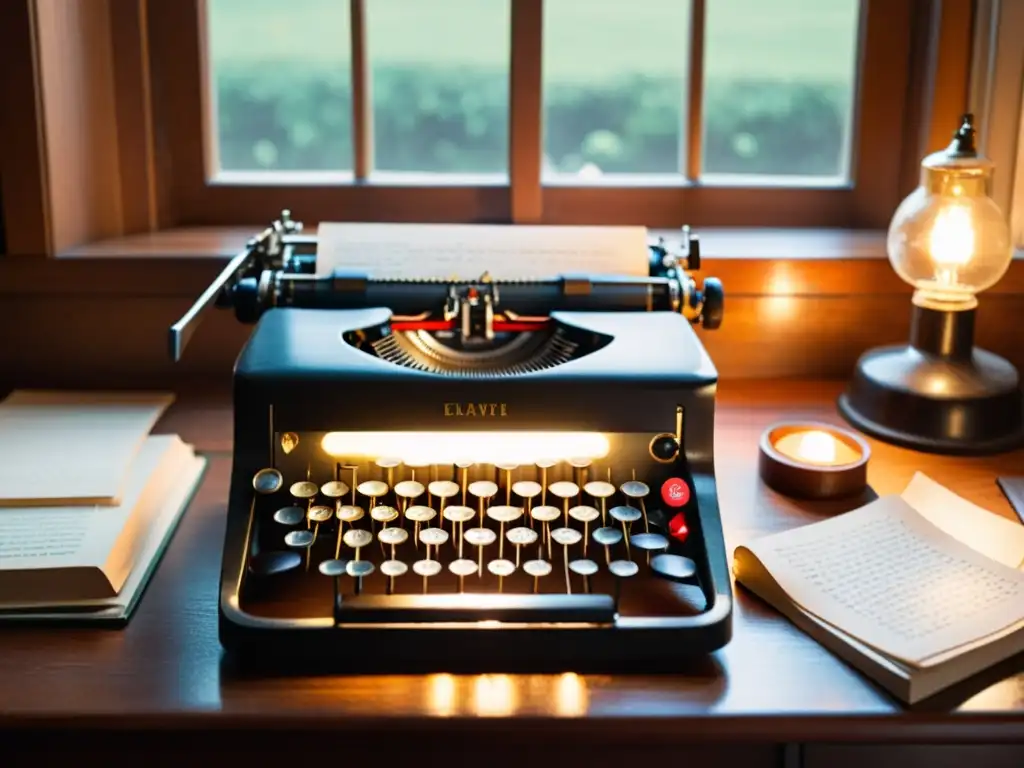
[571,698]
[442,695]
[478,447]
[817,447]
[494,696]
[951,240]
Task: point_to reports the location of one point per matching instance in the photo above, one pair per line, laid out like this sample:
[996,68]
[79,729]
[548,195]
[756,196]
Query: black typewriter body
[405,496]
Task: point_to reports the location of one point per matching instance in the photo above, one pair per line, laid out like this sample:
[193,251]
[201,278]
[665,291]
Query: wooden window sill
[749,261]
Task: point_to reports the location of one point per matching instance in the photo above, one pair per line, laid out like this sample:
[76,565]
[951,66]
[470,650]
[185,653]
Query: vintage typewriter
[486,473]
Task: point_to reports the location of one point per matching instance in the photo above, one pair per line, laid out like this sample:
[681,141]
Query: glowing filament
[951,241]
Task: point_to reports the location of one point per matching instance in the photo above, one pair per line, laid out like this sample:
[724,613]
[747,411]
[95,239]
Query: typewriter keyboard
[393,529]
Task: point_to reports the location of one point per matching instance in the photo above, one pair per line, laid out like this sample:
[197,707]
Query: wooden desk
[162,678]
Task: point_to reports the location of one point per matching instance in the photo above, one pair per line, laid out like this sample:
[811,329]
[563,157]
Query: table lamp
[940,393]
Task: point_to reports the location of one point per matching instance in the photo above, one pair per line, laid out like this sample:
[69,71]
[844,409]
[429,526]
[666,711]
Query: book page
[38,538]
[72,447]
[987,533]
[467,251]
[894,581]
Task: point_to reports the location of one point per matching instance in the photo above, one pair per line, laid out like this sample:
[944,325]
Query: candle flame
[817,446]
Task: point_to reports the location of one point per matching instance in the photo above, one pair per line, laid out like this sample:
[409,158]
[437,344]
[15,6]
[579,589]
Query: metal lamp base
[937,394]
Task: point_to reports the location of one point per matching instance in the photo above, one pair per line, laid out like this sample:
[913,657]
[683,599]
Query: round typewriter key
[623,569]
[289,515]
[625,514]
[607,537]
[580,462]
[464,464]
[387,462]
[409,489]
[355,538]
[506,467]
[599,489]
[651,542]
[333,567]
[357,569]
[635,489]
[393,535]
[433,537]
[426,569]
[583,567]
[545,463]
[335,489]
[417,463]
[320,514]
[483,489]
[383,514]
[537,569]
[443,489]
[462,567]
[273,563]
[526,489]
[373,488]
[349,513]
[480,537]
[566,536]
[521,537]
[674,567]
[501,568]
[420,514]
[545,514]
[267,481]
[289,442]
[458,514]
[584,514]
[563,489]
[503,514]
[304,490]
[298,539]
[393,568]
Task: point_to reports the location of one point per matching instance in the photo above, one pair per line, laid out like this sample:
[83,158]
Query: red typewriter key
[677,527]
[675,492]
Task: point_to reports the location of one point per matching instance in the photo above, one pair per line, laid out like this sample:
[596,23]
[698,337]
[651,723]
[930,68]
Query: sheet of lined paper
[467,251]
[890,578]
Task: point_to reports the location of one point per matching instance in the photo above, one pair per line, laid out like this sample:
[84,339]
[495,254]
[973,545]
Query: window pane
[779,83]
[280,84]
[615,78]
[440,72]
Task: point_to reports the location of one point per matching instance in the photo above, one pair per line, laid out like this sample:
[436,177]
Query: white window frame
[997,100]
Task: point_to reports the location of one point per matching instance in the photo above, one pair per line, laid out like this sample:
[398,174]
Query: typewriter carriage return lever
[277,269]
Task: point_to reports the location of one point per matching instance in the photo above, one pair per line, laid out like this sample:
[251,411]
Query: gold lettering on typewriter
[476,410]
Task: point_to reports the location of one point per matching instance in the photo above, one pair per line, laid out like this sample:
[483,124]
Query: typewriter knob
[246,299]
[714,303]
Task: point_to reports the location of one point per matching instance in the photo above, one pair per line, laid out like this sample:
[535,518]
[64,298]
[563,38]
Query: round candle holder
[812,460]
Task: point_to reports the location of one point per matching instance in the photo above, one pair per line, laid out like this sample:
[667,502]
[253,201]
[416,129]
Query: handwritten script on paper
[466,251]
[890,578]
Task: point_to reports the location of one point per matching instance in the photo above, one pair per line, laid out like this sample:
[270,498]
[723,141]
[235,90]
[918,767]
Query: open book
[918,591]
[87,561]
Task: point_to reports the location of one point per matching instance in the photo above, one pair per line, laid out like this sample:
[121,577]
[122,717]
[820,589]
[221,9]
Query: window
[655,112]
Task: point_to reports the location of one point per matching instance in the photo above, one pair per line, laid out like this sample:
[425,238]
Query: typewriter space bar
[405,609]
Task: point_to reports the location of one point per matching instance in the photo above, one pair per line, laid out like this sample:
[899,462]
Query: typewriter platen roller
[487,474]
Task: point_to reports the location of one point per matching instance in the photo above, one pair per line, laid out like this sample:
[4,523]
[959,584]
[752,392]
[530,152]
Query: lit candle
[816,447]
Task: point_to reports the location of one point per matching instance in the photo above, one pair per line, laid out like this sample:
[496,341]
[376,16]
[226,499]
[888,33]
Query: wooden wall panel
[61,340]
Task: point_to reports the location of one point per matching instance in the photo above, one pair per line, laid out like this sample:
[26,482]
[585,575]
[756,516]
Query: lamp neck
[943,333]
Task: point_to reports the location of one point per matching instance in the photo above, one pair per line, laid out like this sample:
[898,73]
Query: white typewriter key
[521,537]
[563,489]
[409,489]
[635,489]
[289,515]
[392,536]
[580,462]
[349,513]
[584,514]
[458,515]
[383,514]
[501,568]
[333,567]
[393,569]
[546,514]
[504,514]
[357,538]
[545,463]
[320,514]
[462,568]
[480,538]
[426,569]
[443,489]
[433,537]
[387,462]
[599,489]
[537,569]
[298,539]
[420,514]
[304,490]
[526,489]
[483,489]
[267,481]
[586,569]
[566,537]
[373,488]
[335,489]
[652,542]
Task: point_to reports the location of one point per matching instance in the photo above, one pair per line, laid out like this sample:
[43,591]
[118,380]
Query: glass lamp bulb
[948,238]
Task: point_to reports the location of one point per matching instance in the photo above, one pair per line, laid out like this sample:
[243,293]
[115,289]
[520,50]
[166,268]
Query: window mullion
[526,111]
[362,105]
[694,132]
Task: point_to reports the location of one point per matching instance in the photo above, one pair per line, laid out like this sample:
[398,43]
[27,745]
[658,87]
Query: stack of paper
[88,501]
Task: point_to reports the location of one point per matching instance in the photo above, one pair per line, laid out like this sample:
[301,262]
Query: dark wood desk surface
[770,684]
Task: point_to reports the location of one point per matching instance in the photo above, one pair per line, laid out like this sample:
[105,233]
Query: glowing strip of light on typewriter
[478,447]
